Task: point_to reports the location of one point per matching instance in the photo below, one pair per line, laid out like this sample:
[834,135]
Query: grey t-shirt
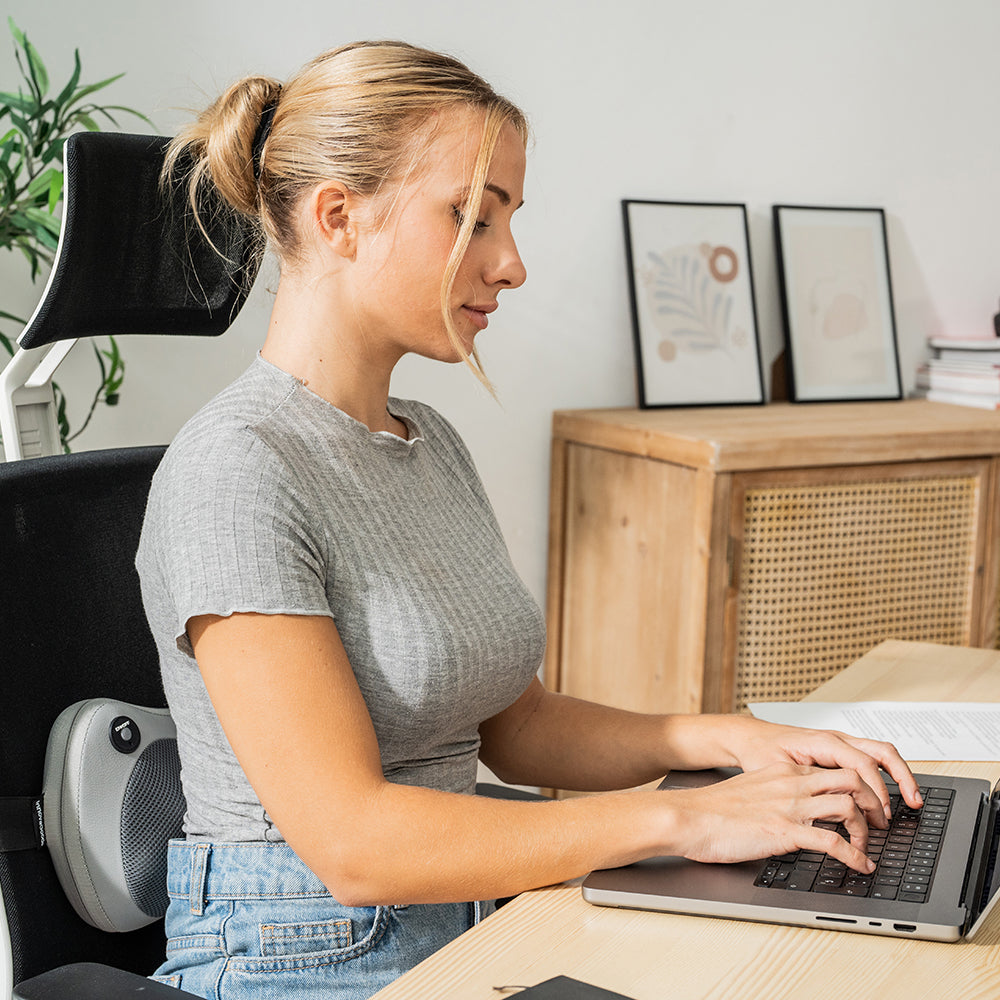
[271,500]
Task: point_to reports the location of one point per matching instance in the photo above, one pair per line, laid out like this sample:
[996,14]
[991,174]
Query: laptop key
[800,882]
[884,892]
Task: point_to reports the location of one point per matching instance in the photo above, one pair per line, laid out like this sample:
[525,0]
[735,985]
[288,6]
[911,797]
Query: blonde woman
[341,632]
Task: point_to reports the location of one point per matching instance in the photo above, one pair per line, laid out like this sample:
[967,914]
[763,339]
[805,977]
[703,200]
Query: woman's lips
[478,314]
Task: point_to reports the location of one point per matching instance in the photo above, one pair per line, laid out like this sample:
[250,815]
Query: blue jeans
[252,921]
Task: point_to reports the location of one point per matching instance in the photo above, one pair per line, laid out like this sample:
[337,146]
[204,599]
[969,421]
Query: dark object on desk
[564,988]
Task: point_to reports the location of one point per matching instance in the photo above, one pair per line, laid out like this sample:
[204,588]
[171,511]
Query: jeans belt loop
[199,871]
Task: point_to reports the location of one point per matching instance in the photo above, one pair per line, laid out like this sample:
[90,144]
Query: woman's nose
[508,269]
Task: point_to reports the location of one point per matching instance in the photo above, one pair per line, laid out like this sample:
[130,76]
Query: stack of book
[966,372]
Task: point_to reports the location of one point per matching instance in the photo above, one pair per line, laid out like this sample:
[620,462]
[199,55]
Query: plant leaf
[67,92]
[91,88]
[131,111]
[38,71]
[55,190]
[87,122]
[27,104]
[15,31]
[36,77]
[40,183]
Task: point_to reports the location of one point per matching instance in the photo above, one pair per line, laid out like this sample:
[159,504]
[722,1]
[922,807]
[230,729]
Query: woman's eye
[460,218]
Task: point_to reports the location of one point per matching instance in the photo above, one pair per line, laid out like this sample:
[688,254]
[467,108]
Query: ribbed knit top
[271,500]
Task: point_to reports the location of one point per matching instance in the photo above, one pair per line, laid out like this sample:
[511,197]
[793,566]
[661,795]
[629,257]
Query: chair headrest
[131,260]
[112,800]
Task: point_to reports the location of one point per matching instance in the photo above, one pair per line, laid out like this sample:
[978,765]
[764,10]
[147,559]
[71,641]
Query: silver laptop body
[963,888]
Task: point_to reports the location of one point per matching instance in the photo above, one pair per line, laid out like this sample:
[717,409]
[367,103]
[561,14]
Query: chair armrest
[492,791]
[89,981]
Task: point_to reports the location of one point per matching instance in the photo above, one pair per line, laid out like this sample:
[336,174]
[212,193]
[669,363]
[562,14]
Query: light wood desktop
[651,956]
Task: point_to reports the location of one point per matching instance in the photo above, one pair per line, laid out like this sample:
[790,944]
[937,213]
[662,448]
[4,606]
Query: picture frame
[836,301]
[694,315]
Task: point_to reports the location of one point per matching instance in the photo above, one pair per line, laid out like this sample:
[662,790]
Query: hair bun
[220,143]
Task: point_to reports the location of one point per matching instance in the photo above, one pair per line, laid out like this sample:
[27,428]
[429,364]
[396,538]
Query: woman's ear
[333,209]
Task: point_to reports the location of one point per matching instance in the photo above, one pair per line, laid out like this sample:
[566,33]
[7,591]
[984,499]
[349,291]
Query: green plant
[31,186]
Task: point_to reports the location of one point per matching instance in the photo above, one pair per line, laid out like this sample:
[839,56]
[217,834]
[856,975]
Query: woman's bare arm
[291,708]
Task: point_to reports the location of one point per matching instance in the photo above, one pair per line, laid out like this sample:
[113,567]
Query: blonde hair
[354,114]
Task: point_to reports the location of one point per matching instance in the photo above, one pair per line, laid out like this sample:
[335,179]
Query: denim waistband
[201,872]
[204,871]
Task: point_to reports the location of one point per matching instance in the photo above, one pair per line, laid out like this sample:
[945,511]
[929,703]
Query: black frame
[639,334]
[888,339]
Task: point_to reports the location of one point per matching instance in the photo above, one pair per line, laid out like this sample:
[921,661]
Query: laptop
[936,877]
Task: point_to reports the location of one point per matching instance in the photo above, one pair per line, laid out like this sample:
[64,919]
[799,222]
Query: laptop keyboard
[905,855]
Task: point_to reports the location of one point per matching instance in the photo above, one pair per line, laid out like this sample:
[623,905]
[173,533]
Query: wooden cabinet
[700,559]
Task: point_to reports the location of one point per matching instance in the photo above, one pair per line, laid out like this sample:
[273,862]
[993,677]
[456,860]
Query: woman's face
[397,294]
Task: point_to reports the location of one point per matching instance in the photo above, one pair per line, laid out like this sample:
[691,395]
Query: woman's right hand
[772,811]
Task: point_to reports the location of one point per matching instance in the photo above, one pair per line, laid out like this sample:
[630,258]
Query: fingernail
[869,865]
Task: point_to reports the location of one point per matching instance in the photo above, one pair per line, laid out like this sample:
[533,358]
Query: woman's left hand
[756,744]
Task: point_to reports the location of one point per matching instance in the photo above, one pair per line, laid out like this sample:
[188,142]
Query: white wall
[887,103]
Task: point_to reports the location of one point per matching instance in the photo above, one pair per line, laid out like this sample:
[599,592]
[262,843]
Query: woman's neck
[310,338]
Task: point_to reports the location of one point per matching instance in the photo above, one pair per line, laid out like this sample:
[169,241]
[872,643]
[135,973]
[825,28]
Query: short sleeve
[229,530]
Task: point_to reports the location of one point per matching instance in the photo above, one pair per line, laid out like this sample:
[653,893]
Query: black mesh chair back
[132,260]
[72,627]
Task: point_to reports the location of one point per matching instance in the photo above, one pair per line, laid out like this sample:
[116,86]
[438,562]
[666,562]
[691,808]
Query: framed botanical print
[693,308]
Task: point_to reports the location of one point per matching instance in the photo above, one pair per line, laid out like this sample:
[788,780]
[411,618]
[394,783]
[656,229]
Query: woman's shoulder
[220,439]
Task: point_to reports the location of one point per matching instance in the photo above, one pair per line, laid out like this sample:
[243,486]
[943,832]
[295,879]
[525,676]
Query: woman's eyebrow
[500,192]
[503,195]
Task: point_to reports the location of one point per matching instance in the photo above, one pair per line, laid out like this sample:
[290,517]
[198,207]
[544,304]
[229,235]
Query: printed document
[921,730]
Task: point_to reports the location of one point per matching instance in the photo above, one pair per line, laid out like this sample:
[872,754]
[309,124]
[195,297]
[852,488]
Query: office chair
[73,634]
[77,655]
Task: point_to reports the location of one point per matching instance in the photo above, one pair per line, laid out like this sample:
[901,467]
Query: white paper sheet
[920,730]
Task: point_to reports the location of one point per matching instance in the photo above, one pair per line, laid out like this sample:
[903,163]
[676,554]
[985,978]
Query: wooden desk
[652,956]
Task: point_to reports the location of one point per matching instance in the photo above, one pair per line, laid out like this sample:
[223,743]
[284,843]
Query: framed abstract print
[836,297]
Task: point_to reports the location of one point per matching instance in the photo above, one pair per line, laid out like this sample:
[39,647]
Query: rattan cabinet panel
[703,559]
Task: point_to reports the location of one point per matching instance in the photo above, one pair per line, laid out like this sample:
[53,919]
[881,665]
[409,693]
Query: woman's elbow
[361,881]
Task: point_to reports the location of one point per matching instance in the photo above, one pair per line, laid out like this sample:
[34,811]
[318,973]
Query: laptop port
[909,928]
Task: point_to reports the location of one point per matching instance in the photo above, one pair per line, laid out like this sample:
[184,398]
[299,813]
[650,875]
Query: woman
[341,631]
